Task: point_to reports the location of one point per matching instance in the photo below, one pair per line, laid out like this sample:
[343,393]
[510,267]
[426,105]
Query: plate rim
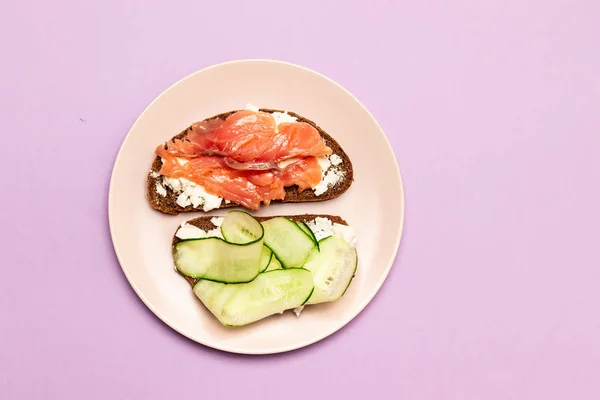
[281,349]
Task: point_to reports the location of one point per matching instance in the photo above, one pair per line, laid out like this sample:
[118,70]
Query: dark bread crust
[168,204]
[205,224]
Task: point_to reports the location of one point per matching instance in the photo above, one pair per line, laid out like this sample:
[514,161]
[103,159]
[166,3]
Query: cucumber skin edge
[312,235]
[312,239]
[237,283]
[268,263]
[353,275]
[309,296]
[200,278]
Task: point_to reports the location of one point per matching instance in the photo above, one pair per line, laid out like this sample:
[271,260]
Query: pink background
[493,109]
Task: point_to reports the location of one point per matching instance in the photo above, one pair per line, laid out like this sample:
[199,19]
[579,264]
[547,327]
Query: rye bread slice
[205,224]
[168,204]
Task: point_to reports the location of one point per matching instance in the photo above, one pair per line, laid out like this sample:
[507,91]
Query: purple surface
[493,110]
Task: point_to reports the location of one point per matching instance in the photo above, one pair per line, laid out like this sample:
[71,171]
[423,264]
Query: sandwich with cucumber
[250,158]
[244,268]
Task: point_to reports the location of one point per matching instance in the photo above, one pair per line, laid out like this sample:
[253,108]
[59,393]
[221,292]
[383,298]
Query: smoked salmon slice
[295,139]
[305,173]
[250,136]
[236,158]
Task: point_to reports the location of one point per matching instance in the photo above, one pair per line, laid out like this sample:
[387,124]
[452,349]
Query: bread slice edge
[168,204]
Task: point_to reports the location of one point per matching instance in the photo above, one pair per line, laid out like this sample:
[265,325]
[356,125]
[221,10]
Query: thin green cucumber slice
[333,268]
[240,227]
[308,231]
[270,293]
[265,258]
[235,259]
[290,244]
[274,264]
[217,260]
[215,293]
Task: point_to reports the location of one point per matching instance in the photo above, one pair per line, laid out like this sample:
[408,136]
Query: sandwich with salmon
[249,158]
[244,268]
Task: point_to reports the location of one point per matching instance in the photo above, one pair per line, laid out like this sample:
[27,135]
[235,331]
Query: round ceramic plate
[373,206]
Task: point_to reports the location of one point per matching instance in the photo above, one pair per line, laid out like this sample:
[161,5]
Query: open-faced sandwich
[245,268]
[247,158]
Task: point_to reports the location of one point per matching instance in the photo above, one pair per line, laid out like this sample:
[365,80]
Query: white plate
[373,206]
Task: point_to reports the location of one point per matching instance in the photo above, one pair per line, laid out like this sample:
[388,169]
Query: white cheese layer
[192,194]
[160,189]
[330,173]
[187,231]
[323,227]
[283,117]
[335,160]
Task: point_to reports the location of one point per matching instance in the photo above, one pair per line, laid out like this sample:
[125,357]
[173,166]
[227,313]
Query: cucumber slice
[233,260]
[215,293]
[265,258]
[270,293]
[333,269]
[290,244]
[309,232]
[239,227]
[217,260]
[274,264]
